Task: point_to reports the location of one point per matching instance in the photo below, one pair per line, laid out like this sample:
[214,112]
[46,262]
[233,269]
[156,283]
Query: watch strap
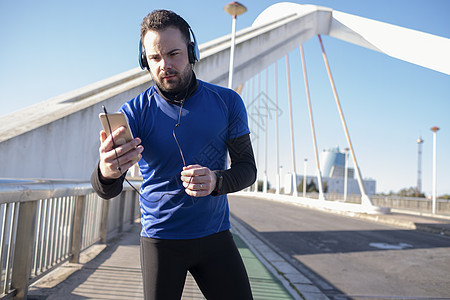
[219,182]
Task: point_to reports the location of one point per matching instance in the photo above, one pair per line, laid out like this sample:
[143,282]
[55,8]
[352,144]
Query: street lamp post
[305,164]
[234,9]
[434,129]
[346,174]
[280,178]
[419,167]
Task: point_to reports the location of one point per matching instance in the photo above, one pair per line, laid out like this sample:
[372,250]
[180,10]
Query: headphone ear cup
[193,51]
[191,54]
[142,58]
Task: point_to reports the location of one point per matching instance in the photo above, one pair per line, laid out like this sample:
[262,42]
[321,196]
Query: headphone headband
[193,52]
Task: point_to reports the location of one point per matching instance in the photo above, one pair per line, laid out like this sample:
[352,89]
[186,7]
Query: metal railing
[46,223]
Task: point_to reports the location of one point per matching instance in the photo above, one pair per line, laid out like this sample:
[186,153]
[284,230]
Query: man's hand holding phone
[128,153]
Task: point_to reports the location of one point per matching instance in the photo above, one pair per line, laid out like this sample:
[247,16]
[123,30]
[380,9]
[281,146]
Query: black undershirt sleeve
[106,188]
[242,172]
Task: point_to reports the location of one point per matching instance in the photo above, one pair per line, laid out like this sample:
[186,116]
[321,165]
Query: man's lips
[170,76]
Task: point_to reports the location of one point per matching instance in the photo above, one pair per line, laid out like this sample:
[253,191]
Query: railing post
[122,200]
[23,250]
[104,223]
[133,206]
[77,230]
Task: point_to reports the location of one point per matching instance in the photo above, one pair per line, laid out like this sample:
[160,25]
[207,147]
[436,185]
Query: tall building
[332,163]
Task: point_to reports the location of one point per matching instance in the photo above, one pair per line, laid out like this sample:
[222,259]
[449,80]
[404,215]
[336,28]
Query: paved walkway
[114,273]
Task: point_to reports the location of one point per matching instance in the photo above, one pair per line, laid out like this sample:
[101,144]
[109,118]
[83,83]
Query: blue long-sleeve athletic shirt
[210,118]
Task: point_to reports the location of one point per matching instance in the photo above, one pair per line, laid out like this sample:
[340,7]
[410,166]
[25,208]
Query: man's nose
[166,63]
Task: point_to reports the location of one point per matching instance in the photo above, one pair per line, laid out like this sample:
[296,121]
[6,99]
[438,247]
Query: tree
[410,192]
[310,187]
[325,187]
[300,186]
[261,185]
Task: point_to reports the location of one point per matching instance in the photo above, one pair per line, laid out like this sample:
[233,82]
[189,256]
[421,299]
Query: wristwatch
[219,181]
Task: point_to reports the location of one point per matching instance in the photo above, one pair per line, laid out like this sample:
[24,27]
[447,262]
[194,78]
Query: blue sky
[52,47]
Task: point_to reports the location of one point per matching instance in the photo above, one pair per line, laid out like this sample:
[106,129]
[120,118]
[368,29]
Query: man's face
[167,58]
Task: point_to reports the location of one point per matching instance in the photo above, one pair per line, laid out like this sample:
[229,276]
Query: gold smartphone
[116,120]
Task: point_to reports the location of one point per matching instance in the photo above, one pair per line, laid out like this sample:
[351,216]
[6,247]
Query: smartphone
[116,120]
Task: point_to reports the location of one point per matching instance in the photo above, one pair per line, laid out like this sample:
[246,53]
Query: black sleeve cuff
[242,172]
[106,188]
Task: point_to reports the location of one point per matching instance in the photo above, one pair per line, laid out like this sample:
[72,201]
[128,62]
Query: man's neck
[177,98]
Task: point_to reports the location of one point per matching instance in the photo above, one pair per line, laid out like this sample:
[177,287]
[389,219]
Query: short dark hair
[161,19]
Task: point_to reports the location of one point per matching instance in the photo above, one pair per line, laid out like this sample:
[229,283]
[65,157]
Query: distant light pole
[434,129]
[234,9]
[419,167]
[305,164]
[346,174]
[280,178]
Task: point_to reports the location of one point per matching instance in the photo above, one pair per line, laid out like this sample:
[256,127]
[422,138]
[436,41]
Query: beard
[176,84]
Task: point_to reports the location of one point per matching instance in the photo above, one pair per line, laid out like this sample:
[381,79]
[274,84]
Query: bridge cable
[276,131]
[294,174]
[266,134]
[365,200]
[305,77]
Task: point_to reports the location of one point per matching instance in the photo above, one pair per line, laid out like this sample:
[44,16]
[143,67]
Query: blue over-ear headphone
[192,47]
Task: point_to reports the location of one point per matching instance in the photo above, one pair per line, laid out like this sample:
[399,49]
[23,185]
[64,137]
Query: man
[183,129]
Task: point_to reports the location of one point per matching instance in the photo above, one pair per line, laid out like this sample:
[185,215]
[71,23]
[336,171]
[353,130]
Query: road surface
[351,258]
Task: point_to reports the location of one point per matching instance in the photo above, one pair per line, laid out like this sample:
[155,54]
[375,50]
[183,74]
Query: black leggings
[214,262]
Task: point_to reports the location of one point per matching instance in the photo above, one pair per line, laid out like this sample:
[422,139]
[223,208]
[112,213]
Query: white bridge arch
[58,138]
